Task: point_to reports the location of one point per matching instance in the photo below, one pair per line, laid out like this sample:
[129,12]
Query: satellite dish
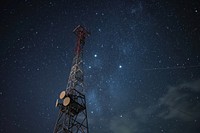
[62,94]
[56,103]
[66,101]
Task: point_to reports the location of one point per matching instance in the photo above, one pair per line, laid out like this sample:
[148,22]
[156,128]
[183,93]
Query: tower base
[73,117]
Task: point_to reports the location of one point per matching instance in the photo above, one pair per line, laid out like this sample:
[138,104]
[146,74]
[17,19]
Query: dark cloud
[124,125]
[182,102]
[133,121]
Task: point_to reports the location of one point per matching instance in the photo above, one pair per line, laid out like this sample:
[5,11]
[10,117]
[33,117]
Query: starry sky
[141,64]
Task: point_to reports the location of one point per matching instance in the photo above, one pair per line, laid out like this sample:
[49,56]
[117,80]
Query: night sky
[141,64]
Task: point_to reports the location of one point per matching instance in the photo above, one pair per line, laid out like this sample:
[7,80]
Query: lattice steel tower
[72,117]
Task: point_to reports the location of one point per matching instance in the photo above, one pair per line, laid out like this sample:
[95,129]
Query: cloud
[123,125]
[134,121]
[182,102]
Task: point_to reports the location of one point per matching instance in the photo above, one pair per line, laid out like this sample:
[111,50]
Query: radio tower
[72,117]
